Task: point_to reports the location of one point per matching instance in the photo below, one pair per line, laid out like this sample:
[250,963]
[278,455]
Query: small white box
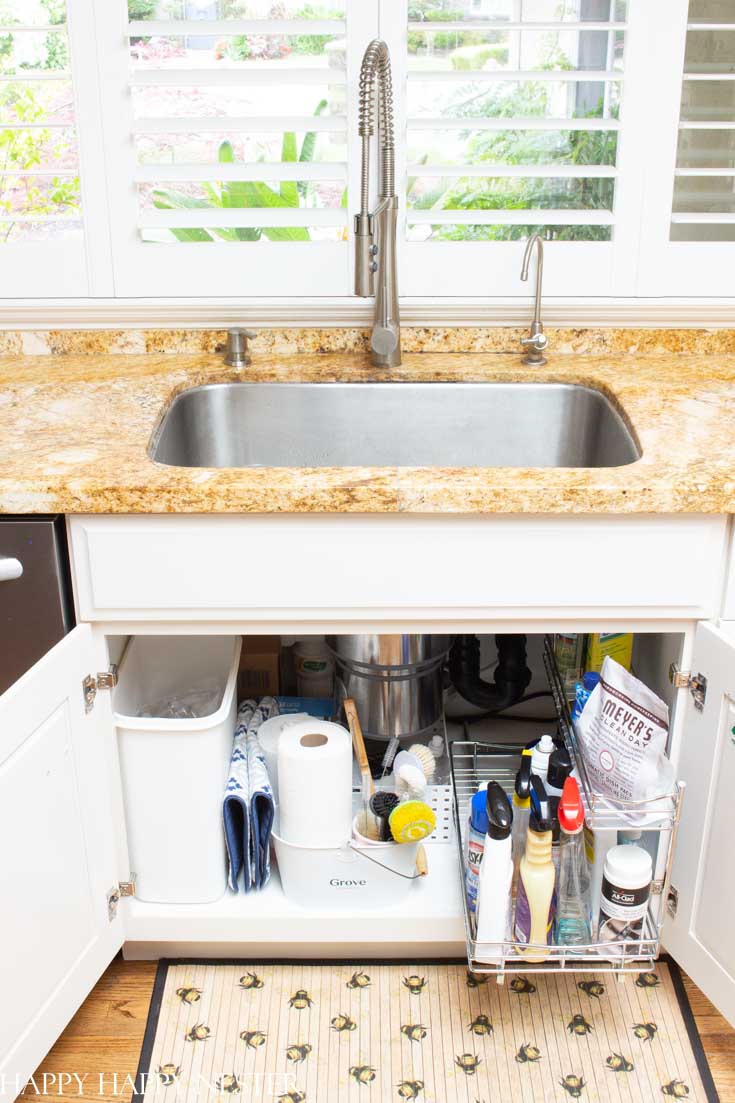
[174,771]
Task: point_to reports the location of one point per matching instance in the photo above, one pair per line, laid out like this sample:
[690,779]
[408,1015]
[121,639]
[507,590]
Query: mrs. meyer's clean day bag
[622,733]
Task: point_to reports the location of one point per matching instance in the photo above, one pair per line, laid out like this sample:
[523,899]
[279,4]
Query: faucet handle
[236,349]
[538,341]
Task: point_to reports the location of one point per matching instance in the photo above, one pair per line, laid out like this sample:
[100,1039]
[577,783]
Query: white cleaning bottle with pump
[541,753]
[496,874]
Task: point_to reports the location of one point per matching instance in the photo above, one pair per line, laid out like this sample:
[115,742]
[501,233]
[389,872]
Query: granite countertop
[75,431]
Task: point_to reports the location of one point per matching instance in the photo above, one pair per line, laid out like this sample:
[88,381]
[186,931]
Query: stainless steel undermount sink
[393,425]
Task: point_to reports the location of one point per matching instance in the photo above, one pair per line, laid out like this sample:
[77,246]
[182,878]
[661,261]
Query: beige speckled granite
[75,432]
[292,342]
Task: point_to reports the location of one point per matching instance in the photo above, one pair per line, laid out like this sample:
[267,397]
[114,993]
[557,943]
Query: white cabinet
[57,862]
[61,820]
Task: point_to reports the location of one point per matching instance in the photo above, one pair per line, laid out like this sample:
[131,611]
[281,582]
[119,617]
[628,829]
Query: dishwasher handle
[10,568]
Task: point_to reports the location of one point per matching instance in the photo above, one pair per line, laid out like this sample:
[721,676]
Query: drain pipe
[512,675]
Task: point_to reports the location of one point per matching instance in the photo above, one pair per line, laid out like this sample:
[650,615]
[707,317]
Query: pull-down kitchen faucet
[375,234]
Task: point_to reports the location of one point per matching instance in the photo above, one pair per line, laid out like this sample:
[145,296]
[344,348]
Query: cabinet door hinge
[672,901]
[105,679]
[695,683]
[115,895]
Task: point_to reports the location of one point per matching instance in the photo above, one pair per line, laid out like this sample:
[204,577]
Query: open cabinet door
[700,933]
[56,854]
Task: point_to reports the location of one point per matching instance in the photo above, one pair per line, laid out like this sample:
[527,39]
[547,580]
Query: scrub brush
[367,824]
[411,821]
[425,757]
[381,805]
[410,781]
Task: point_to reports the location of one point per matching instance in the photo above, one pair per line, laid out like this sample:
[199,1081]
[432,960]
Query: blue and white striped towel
[248,807]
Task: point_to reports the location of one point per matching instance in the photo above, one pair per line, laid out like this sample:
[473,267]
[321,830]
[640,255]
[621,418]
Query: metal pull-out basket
[475,763]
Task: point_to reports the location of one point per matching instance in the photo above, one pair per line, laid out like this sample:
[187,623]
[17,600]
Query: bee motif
[251,980]
[300,1000]
[617,1063]
[645,1031]
[474,980]
[469,1063]
[253,1038]
[481,1025]
[168,1074]
[527,1053]
[676,1088]
[579,1025]
[228,1084]
[415,984]
[415,1031]
[522,986]
[363,1074]
[359,980]
[410,1089]
[343,1022]
[573,1085]
[189,995]
[296,1054]
[292,1097]
[592,988]
[647,980]
[198,1033]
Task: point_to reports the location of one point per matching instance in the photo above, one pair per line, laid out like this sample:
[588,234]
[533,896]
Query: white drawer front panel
[230,568]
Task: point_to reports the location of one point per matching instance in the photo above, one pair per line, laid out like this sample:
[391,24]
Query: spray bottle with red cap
[573,906]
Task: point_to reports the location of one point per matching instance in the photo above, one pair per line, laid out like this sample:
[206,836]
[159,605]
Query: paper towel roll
[269,735]
[315,783]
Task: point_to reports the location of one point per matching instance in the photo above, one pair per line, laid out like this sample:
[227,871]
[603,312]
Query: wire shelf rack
[474,763]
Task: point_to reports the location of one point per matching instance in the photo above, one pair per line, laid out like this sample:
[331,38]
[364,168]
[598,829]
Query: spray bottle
[535,905]
[521,812]
[496,873]
[476,831]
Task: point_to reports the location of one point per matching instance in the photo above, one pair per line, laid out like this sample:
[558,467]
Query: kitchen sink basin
[393,425]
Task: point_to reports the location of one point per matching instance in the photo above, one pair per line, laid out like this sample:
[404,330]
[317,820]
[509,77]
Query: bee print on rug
[298,1053]
[410,1089]
[528,1053]
[229,1084]
[469,1063]
[168,1074]
[253,1038]
[189,995]
[415,1032]
[415,984]
[359,980]
[363,1074]
[579,1025]
[573,1085]
[481,1026]
[198,1033]
[250,980]
[300,1000]
[522,987]
[474,980]
[617,1063]
[675,1088]
[292,1097]
[343,1022]
[592,988]
[645,1031]
[647,980]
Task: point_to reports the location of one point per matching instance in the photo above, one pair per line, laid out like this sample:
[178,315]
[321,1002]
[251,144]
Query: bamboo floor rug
[370,1033]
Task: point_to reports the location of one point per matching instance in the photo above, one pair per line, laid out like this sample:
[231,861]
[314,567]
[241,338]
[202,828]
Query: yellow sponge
[411,821]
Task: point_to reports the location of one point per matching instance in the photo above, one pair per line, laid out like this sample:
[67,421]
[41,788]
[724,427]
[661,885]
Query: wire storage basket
[473,764]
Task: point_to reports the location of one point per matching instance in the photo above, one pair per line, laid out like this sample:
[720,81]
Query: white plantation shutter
[232,159]
[517,120]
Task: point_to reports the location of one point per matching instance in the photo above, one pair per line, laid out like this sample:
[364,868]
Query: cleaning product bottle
[496,874]
[560,767]
[542,752]
[521,813]
[583,692]
[476,831]
[573,904]
[535,905]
